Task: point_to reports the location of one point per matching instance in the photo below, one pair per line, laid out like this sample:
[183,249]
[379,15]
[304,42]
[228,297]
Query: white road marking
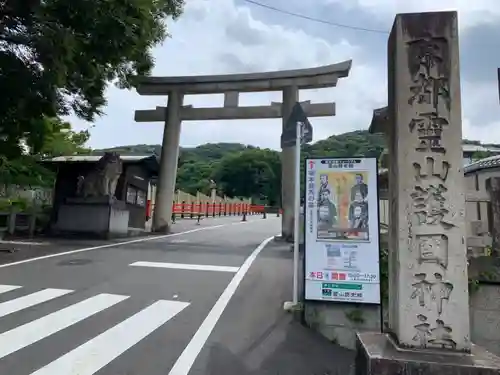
[185,266]
[124,243]
[185,361]
[111,245]
[96,353]
[29,300]
[29,333]
[8,288]
[23,243]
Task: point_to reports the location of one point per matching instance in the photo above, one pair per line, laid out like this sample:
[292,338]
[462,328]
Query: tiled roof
[486,163]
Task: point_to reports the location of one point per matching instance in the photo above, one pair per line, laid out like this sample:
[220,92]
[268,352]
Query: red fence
[214,209]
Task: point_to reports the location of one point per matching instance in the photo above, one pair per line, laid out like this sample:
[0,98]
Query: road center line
[186,266]
[185,361]
[144,239]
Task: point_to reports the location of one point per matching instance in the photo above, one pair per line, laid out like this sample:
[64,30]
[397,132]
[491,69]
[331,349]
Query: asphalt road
[206,301]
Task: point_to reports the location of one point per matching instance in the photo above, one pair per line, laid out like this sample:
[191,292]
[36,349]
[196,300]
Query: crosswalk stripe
[29,300]
[96,353]
[8,288]
[190,267]
[29,333]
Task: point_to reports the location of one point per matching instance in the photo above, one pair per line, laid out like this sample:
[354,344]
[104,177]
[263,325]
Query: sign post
[342,230]
[298,131]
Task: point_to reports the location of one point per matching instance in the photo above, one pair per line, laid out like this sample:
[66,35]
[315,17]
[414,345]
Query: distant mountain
[197,165]
[207,150]
[358,142]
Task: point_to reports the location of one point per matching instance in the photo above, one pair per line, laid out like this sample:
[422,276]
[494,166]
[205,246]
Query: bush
[18,204]
[24,171]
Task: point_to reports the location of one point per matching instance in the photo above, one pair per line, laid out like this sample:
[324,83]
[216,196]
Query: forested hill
[358,142]
[243,170]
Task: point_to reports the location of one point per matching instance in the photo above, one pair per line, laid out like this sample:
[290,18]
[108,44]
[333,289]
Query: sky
[235,36]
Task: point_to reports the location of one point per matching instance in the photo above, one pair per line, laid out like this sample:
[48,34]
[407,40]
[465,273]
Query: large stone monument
[289,82]
[428,286]
[94,208]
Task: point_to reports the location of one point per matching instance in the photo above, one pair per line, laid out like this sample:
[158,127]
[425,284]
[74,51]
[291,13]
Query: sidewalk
[255,336]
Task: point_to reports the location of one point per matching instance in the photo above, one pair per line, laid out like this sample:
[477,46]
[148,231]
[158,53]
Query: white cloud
[217,37]
[489,133]
[471,13]
[481,109]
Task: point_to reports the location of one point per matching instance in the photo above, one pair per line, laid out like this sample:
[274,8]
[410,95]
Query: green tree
[57,57]
[251,173]
[222,161]
[57,139]
[478,155]
[194,177]
[197,165]
[356,143]
[23,171]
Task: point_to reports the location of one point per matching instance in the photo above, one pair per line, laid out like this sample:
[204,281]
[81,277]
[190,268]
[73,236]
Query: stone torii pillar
[168,163]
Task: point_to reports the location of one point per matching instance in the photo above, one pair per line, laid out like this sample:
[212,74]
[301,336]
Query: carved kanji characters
[423,329]
[440,290]
[421,288]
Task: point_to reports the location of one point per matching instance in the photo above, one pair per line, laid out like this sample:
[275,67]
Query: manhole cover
[178,241]
[75,262]
[7,249]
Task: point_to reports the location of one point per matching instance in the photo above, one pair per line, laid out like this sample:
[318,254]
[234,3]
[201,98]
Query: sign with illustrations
[342,230]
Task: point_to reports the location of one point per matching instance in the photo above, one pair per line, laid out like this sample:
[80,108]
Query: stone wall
[484,297]
[485,317]
[339,322]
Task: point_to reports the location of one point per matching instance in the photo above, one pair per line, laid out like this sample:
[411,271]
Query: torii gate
[287,81]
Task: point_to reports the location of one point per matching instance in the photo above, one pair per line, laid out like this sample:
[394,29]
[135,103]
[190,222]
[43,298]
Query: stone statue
[102,180]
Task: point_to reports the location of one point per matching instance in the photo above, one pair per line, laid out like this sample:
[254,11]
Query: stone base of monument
[93,217]
[280,238]
[377,354]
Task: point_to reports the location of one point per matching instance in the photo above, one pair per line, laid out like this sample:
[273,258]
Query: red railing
[210,209]
[216,209]
[195,209]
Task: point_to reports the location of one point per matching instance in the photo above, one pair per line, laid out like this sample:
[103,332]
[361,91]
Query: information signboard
[342,230]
